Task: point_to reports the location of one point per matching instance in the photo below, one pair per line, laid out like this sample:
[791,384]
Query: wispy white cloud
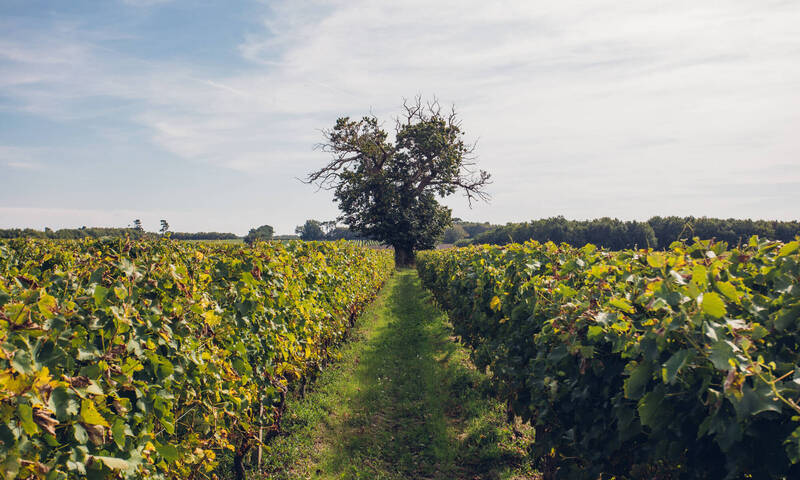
[582,108]
[22,158]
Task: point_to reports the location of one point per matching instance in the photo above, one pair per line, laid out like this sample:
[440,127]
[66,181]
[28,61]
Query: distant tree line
[203,236]
[261,234]
[74,233]
[98,232]
[657,232]
[317,230]
[461,231]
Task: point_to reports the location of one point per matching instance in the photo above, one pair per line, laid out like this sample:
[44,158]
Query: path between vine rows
[402,402]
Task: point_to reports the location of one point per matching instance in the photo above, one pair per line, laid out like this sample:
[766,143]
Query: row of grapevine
[132,359]
[638,364]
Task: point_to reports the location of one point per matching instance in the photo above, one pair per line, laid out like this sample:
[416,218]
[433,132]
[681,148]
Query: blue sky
[206,112]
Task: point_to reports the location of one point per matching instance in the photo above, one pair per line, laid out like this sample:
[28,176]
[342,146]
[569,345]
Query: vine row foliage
[126,358]
[640,364]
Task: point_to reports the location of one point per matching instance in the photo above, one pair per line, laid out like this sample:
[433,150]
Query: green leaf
[721,353]
[594,332]
[650,407]
[93,388]
[792,446]
[112,462]
[656,260]
[728,290]
[26,419]
[700,275]
[786,318]
[11,467]
[621,304]
[167,451]
[713,305]
[635,384]
[99,295]
[22,362]
[118,432]
[710,330]
[759,332]
[790,247]
[673,366]
[754,401]
[63,403]
[47,304]
[90,415]
[80,433]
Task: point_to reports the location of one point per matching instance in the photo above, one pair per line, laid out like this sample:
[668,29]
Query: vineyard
[637,364]
[142,358]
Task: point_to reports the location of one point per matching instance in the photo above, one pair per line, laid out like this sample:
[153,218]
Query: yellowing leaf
[47,304]
[656,260]
[621,304]
[713,305]
[728,290]
[790,247]
[90,415]
[212,319]
[495,303]
[9,382]
[120,293]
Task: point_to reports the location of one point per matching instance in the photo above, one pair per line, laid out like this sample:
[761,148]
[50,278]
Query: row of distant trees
[317,230]
[134,230]
[657,232]
[73,233]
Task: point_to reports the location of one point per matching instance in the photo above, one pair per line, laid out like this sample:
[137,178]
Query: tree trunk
[403,257]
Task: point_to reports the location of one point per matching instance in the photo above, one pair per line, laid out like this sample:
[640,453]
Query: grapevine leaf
[728,290]
[789,248]
[674,365]
[495,303]
[26,419]
[621,304]
[635,384]
[721,354]
[90,415]
[650,408]
[118,432]
[112,462]
[80,434]
[713,305]
[100,294]
[169,452]
[47,304]
[753,401]
[656,260]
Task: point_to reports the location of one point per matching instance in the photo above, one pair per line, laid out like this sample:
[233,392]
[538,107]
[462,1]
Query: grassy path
[403,402]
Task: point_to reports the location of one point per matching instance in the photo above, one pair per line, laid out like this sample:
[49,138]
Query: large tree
[388,188]
[260,234]
[311,230]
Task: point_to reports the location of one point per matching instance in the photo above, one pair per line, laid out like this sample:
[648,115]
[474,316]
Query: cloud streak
[582,108]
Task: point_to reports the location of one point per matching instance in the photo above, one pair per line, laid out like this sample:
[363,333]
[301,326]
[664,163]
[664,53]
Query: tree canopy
[388,188]
[311,230]
[262,233]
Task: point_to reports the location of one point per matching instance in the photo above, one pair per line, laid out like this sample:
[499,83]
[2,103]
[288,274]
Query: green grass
[402,402]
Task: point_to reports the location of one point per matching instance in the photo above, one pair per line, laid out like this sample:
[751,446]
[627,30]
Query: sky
[206,113]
